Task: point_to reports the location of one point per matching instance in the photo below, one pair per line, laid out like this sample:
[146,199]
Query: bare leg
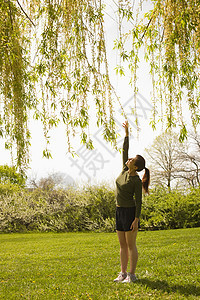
[123,250]
[133,253]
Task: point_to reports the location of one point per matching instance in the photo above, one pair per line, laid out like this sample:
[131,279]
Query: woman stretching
[129,200]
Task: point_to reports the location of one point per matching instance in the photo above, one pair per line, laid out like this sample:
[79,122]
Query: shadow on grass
[186,290]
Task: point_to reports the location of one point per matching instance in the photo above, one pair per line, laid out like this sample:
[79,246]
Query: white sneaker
[130,278]
[120,277]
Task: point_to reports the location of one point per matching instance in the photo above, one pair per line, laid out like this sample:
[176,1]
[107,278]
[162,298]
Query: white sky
[103,163]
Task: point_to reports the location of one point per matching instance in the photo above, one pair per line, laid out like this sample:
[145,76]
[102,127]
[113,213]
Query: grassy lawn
[83,266]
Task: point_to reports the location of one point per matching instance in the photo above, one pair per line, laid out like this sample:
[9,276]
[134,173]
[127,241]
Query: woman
[129,200]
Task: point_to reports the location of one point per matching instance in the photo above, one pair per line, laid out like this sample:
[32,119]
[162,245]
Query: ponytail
[140,164]
[146,180]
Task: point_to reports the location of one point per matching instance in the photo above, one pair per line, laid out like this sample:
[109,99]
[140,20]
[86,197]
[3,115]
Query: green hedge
[91,208]
[164,210]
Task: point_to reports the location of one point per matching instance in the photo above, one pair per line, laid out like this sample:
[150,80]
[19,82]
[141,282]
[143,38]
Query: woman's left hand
[125,125]
[134,225]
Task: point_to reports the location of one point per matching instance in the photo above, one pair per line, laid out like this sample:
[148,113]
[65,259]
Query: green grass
[83,266]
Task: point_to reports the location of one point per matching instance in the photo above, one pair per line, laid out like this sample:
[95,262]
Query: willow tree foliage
[169,36]
[53,64]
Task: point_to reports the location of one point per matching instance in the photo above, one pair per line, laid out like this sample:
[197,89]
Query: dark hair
[140,164]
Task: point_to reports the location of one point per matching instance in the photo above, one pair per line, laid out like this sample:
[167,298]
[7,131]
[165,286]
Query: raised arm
[126,143]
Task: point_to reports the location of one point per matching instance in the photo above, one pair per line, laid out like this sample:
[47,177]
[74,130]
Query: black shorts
[124,218]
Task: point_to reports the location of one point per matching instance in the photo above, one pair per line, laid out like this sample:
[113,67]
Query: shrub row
[91,208]
[164,210]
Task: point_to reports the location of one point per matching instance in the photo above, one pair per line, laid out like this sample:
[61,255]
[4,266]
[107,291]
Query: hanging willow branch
[169,36]
[25,13]
[70,72]
[11,21]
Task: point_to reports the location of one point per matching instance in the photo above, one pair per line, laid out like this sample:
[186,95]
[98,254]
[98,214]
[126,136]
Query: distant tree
[165,161]
[189,170]
[52,181]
